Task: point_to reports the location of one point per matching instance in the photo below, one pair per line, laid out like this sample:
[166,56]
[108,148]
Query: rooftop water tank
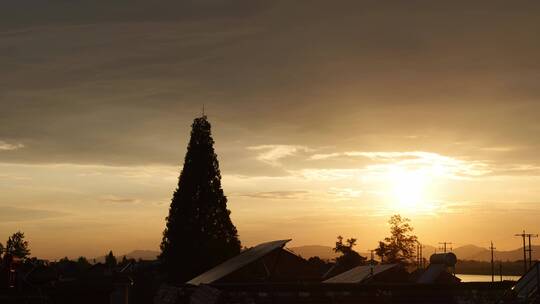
[449,259]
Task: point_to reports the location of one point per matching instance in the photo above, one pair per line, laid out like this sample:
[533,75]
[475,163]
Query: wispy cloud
[436,164]
[5,146]
[120,199]
[345,193]
[277,194]
[272,154]
[330,174]
[17,214]
[320,156]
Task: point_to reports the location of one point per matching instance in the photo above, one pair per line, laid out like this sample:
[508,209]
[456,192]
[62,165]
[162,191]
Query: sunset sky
[328,117]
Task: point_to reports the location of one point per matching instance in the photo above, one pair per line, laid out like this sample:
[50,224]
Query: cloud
[17,214]
[120,199]
[330,174]
[5,146]
[436,164]
[493,207]
[277,194]
[424,86]
[345,193]
[320,156]
[272,154]
[515,170]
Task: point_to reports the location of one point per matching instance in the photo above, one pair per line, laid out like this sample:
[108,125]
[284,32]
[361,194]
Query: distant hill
[476,253]
[135,254]
[324,252]
[143,254]
[466,252]
[512,255]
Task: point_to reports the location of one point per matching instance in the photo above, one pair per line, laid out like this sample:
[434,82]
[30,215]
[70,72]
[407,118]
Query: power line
[492,265]
[420,255]
[530,248]
[372,261]
[444,246]
[372,251]
[529,236]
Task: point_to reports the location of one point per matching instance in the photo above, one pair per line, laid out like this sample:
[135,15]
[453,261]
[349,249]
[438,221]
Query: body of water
[484,278]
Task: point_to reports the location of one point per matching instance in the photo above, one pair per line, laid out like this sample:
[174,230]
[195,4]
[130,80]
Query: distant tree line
[17,247]
[484,267]
[398,247]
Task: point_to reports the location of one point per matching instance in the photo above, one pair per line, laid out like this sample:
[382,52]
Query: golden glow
[408,188]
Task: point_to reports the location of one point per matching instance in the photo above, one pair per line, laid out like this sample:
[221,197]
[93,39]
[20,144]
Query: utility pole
[421,261]
[524,252]
[523,236]
[444,245]
[372,262]
[530,248]
[420,246]
[492,264]
[418,255]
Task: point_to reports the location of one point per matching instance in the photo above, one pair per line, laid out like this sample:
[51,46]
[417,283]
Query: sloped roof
[249,256]
[527,285]
[359,273]
[432,273]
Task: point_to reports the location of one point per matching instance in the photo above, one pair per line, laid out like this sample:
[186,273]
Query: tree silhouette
[83,263]
[199,232]
[400,246]
[110,260]
[1,251]
[16,246]
[124,261]
[349,258]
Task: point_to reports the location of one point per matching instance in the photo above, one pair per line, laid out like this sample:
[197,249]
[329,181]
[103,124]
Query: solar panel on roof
[527,286]
[359,273]
[247,257]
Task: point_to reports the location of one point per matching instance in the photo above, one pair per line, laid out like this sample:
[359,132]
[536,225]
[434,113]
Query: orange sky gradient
[328,118]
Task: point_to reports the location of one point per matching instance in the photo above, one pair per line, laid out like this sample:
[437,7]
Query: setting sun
[408,188]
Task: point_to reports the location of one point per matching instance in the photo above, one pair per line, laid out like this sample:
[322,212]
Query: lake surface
[484,278]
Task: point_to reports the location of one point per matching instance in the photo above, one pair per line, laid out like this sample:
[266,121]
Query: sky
[328,117]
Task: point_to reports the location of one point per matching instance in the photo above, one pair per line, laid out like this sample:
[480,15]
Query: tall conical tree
[199,233]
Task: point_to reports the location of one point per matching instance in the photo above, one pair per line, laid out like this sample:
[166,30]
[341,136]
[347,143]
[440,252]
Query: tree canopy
[349,258]
[199,233]
[83,262]
[400,246]
[17,246]
[110,260]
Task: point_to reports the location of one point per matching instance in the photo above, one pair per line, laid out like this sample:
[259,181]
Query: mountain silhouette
[135,254]
[466,252]
[324,252]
